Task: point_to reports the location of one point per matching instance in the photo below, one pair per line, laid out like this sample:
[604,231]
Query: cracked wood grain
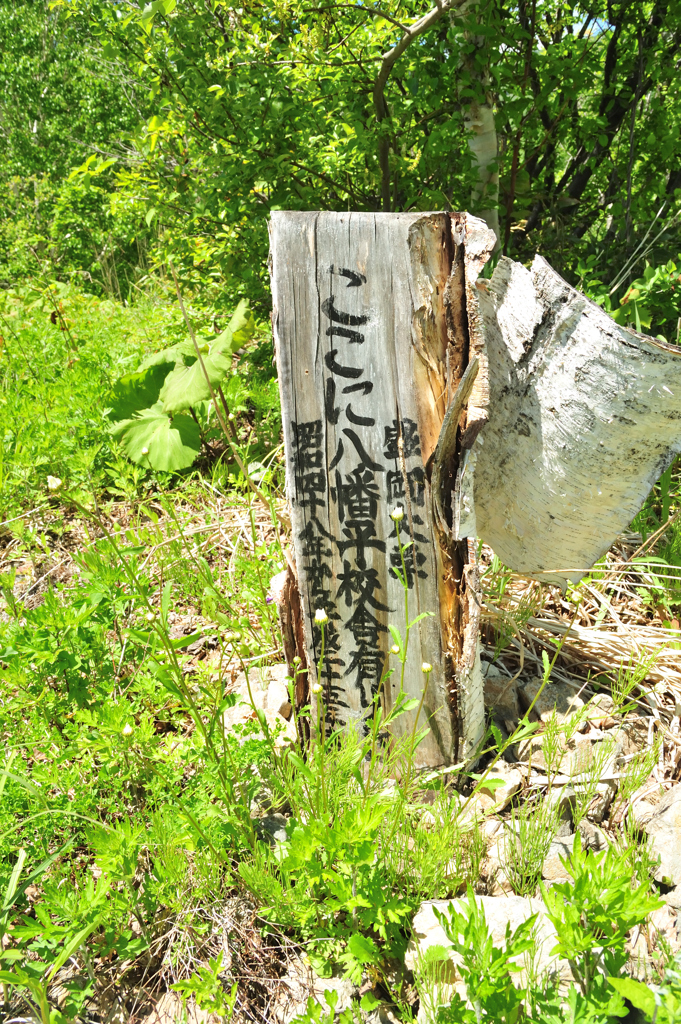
[372,337]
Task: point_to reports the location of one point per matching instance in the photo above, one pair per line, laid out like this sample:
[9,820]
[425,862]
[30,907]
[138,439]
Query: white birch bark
[482,135]
[482,142]
[584,416]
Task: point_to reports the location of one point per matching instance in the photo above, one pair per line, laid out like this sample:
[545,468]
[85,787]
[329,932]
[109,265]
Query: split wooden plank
[373,334]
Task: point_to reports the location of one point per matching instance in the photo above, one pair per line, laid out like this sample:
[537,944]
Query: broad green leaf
[239,330]
[187,385]
[183,354]
[154,439]
[137,391]
[636,992]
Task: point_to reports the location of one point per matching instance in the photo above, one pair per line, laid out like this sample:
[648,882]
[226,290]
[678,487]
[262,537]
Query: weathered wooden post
[376,322]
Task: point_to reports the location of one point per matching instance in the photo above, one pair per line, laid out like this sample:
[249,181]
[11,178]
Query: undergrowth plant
[134,600]
[592,914]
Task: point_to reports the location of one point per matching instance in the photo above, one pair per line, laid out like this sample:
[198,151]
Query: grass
[130,855]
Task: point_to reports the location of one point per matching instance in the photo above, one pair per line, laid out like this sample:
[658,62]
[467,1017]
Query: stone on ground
[491,797]
[270,694]
[499,911]
[301,983]
[556,697]
[553,869]
[501,695]
[662,823]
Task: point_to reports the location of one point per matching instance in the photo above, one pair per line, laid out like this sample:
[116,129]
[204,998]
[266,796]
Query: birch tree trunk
[482,132]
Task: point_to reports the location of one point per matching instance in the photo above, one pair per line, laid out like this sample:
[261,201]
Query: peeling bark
[584,416]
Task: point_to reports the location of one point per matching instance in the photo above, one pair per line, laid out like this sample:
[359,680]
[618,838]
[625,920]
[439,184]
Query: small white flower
[127,729]
[150,617]
[426,667]
[320,617]
[145,451]
[397,514]
[53,483]
[317,687]
[394,649]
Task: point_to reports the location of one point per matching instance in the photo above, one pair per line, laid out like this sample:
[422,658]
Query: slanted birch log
[375,321]
[584,417]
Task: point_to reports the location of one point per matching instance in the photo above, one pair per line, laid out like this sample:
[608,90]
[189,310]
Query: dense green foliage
[213,115]
[139,534]
[60,105]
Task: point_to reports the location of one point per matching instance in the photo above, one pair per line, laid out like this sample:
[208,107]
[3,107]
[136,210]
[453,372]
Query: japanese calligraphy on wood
[375,321]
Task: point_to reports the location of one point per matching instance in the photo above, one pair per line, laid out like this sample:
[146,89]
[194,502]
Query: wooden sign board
[374,323]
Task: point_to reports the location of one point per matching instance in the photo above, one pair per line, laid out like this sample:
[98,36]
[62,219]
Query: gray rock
[500,911]
[632,735]
[663,826]
[673,898]
[495,798]
[501,697]
[601,803]
[300,983]
[601,711]
[554,697]
[553,870]
[565,797]
[564,829]
[272,827]
[593,838]
[269,693]
[530,751]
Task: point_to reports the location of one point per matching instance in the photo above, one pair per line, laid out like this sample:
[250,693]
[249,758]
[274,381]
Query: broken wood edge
[445,451]
[452,469]
[285,593]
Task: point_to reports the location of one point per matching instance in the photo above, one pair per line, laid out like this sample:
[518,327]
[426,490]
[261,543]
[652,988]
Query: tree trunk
[482,142]
[482,133]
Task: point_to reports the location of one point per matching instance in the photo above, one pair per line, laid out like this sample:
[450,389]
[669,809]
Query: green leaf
[423,615]
[368,1002]
[77,941]
[165,600]
[239,330]
[183,353]
[187,385]
[638,994]
[395,634]
[137,391]
[153,439]
[363,948]
[490,785]
[410,704]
